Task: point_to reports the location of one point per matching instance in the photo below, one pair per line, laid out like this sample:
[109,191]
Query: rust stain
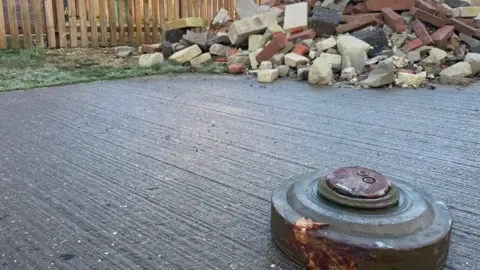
[320,254]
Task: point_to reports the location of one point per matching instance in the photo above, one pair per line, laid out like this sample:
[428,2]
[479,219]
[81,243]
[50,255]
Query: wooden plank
[49,22]
[62,34]
[130,15]
[177,9]
[121,21]
[146,21]
[202,5]
[155,21]
[161,11]
[37,13]
[93,23]
[83,23]
[168,10]
[138,21]
[12,20]
[184,9]
[72,22]
[113,23]
[27,32]
[103,22]
[191,8]
[3,36]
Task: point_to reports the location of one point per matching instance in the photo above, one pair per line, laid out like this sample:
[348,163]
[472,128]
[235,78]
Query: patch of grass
[32,68]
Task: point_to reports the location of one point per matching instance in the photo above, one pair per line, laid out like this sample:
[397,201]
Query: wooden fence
[96,23]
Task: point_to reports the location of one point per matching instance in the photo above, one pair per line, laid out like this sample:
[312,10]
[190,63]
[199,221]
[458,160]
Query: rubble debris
[148,60]
[267,75]
[124,51]
[370,43]
[191,22]
[296,15]
[200,60]
[320,72]
[186,54]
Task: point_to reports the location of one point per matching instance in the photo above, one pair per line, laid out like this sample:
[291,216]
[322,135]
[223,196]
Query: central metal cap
[358,182]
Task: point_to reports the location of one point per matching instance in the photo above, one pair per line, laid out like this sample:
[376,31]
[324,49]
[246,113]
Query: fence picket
[155,21]
[112,23]
[62,35]
[121,21]
[49,21]
[130,15]
[37,13]
[27,32]
[72,23]
[12,21]
[3,34]
[83,23]
[103,22]
[146,22]
[138,20]
[92,14]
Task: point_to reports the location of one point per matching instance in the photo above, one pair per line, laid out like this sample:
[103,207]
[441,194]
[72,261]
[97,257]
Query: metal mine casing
[354,218]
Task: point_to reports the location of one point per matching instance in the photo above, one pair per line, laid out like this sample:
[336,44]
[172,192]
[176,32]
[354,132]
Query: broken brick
[356,24]
[468,21]
[350,18]
[300,49]
[151,48]
[221,60]
[359,8]
[413,44]
[279,41]
[310,33]
[348,9]
[427,17]
[379,22]
[441,36]
[273,3]
[377,5]
[423,5]
[235,69]
[311,3]
[463,27]
[296,30]
[392,19]
[421,32]
[324,22]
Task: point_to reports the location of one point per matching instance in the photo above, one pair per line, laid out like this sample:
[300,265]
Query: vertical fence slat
[62,35]
[191,8]
[155,21]
[37,13]
[12,20]
[103,22]
[146,22]
[112,23]
[138,21]
[184,9]
[130,15]
[3,36]
[177,9]
[72,22]
[49,21]
[121,21]
[83,23]
[92,14]
[27,32]
[203,11]
[161,11]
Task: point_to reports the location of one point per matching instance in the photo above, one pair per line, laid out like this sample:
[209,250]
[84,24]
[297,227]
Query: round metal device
[354,218]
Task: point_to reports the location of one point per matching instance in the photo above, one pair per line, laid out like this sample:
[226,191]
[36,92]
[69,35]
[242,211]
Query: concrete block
[191,22]
[186,54]
[296,15]
[200,60]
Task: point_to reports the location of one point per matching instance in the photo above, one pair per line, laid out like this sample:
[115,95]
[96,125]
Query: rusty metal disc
[321,233]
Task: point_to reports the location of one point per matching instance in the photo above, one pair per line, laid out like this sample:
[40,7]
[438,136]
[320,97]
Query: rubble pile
[370,43]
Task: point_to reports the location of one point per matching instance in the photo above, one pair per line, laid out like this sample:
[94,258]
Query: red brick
[377,5]
[467,21]
[311,3]
[273,3]
[278,42]
[231,51]
[423,5]
[441,36]
[310,33]
[348,9]
[463,27]
[351,18]
[378,22]
[428,18]
[296,30]
[221,60]
[421,31]
[300,49]
[151,48]
[413,44]
[359,8]
[393,20]
[356,24]
[235,69]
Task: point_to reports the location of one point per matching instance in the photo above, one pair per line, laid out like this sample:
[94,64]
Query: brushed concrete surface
[177,172]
